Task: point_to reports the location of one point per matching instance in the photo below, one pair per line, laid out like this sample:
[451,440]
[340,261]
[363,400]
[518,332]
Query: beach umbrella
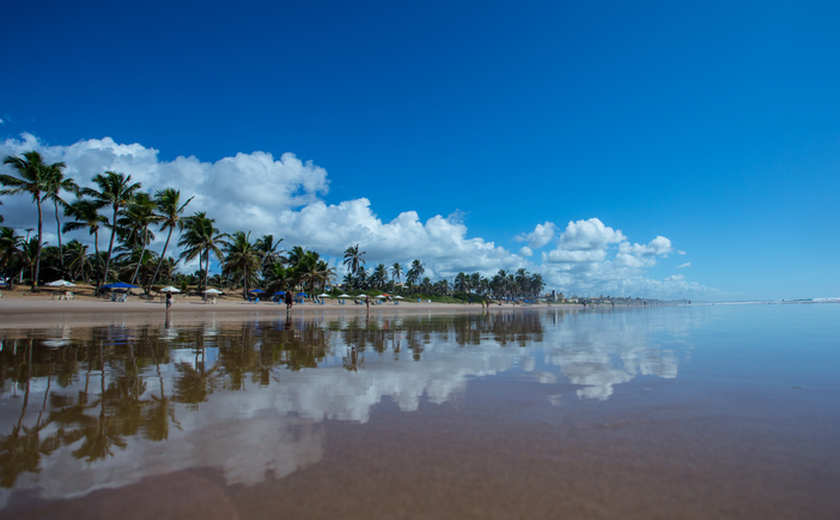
[279,293]
[256,291]
[61,283]
[212,291]
[303,294]
[382,296]
[119,285]
[398,297]
[344,296]
[171,289]
[323,295]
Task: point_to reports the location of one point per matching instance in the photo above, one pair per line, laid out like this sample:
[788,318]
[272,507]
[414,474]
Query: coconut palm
[200,239]
[396,272]
[415,272]
[11,245]
[78,260]
[353,258]
[33,179]
[116,190]
[56,182]
[134,225]
[85,213]
[379,277]
[267,248]
[169,207]
[241,259]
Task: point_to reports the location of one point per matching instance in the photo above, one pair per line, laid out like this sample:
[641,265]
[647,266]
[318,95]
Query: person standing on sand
[367,301]
[288,299]
[168,300]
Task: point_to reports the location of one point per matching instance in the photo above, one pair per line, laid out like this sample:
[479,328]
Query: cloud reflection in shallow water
[250,397]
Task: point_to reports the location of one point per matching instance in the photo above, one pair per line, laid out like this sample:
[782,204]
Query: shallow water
[674,412]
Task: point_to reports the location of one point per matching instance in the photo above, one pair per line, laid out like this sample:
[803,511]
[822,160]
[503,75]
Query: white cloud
[683,266]
[588,235]
[539,237]
[260,193]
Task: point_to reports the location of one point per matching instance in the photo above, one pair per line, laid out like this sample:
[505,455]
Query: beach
[21,307]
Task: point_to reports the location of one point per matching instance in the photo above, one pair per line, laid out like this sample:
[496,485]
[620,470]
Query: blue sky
[712,125]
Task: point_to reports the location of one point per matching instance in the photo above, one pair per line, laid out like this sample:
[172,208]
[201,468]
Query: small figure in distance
[168,300]
[367,301]
[289,301]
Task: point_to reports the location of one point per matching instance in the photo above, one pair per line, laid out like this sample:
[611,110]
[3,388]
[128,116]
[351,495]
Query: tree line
[117,208]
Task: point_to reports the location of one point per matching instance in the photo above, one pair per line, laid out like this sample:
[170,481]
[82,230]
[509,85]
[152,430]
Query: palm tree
[379,276]
[116,190]
[85,213]
[462,283]
[168,202]
[200,239]
[78,260]
[353,258]
[34,175]
[11,245]
[135,221]
[267,248]
[56,182]
[241,258]
[396,272]
[415,272]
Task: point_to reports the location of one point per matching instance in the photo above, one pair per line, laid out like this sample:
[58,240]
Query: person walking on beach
[168,300]
[289,301]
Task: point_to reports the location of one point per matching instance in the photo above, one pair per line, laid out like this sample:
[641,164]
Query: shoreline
[42,311]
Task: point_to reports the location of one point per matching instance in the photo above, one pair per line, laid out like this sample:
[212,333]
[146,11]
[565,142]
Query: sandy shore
[21,307]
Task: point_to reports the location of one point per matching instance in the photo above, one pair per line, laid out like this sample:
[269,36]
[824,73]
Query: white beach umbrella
[398,298]
[171,289]
[61,283]
[212,291]
[323,295]
[344,296]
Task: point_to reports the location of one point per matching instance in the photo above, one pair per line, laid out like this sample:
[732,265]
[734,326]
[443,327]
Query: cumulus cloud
[539,237]
[284,197]
[589,235]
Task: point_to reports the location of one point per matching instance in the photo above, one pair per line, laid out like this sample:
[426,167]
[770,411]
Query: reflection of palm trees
[22,453]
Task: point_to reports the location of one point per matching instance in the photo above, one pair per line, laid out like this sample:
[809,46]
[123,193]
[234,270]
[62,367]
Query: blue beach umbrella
[256,291]
[303,294]
[279,293]
[119,285]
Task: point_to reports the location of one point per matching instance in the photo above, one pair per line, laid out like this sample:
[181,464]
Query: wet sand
[749,441]
[42,310]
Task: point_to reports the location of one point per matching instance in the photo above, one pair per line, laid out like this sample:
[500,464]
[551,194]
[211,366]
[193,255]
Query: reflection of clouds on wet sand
[598,352]
[273,429]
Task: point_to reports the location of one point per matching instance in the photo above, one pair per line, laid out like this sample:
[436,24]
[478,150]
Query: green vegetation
[133,216]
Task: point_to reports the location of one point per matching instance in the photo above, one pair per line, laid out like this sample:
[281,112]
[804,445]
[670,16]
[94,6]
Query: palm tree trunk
[206,267]
[60,247]
[110,246]
[142,252]
[98,259]
[38,250]
[160,262]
